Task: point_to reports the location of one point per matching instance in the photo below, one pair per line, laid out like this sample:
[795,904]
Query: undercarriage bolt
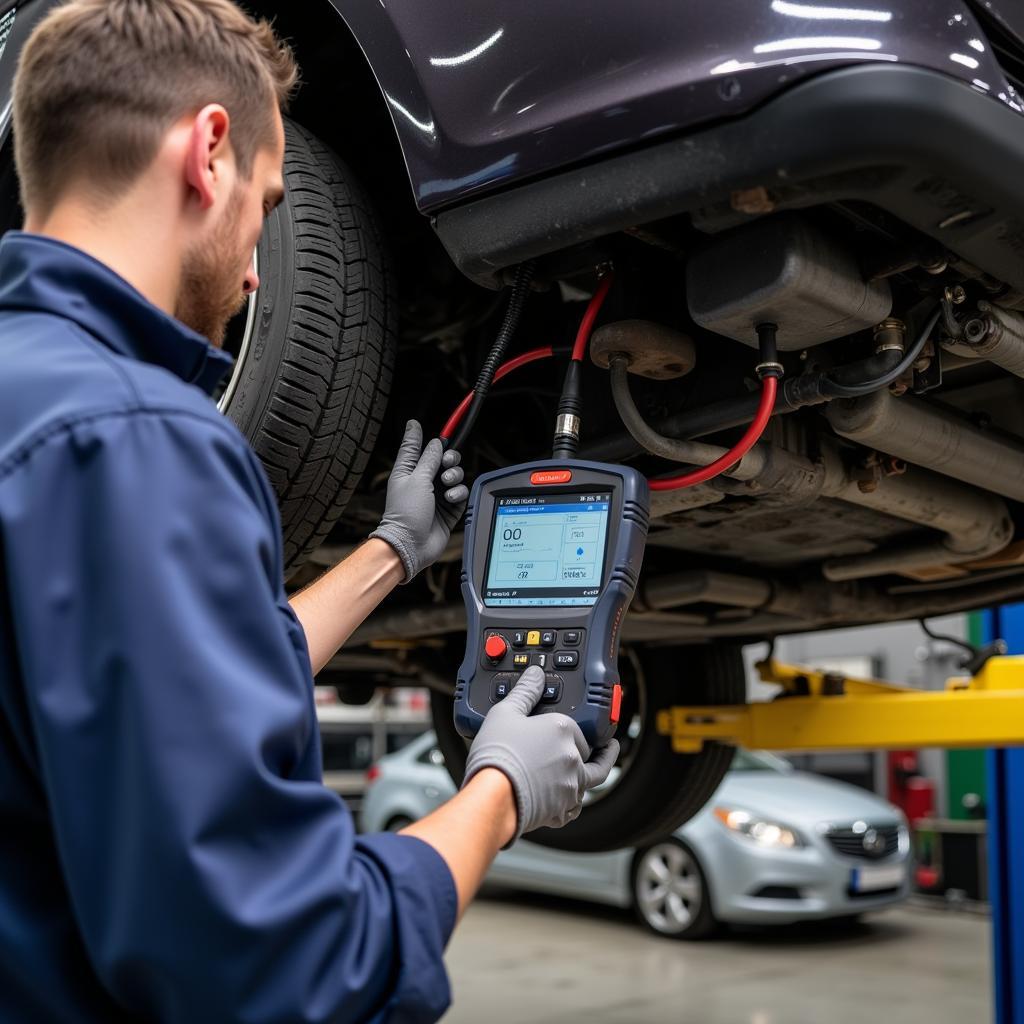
[976,329]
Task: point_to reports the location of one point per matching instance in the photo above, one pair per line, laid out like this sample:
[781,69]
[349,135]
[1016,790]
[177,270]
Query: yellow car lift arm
[828,711]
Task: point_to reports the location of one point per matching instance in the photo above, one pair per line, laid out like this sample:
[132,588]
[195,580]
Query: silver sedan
[773,845]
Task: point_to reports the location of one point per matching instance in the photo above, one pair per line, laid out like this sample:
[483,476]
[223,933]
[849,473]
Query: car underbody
[869,210]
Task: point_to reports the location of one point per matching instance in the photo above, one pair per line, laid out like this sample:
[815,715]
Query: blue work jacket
[168,851]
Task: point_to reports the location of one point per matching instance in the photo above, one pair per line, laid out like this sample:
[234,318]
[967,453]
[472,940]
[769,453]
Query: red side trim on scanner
[616,710]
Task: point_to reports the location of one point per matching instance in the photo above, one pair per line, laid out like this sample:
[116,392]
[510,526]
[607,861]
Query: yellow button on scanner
[533,638]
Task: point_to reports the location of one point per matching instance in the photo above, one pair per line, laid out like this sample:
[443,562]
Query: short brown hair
[100,82]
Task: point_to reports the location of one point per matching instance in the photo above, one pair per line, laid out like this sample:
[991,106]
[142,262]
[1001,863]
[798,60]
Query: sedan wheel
[669,891]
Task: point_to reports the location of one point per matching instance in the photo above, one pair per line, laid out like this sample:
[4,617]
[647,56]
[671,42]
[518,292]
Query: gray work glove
[544,757]
[416,523]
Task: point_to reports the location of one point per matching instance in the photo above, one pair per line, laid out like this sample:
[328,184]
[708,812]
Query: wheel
[657,789]
[315,347]
[397,823]
[670,892]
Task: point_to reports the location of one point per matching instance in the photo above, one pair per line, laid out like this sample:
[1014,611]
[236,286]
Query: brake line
[769,390]
[769,369]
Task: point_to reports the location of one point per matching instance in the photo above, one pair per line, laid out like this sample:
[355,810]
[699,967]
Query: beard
[211,292]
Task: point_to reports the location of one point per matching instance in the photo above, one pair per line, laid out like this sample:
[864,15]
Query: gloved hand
[416,523]
[544,757]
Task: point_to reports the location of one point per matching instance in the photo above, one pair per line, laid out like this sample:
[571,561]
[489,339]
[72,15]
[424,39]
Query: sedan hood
[798,798]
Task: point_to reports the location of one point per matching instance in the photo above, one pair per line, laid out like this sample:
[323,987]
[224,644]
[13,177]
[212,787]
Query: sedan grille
[872,843]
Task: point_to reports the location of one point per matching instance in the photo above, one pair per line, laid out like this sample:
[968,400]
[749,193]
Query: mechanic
[167,849]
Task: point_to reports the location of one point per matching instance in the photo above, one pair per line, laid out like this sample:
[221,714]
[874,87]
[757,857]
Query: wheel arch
[342,47]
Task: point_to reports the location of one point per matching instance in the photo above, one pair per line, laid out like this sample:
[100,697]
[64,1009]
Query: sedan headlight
[769,834]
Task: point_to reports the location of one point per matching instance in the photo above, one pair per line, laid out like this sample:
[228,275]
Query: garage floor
[526,959]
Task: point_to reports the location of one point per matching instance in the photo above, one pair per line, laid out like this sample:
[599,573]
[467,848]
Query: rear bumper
[940,155]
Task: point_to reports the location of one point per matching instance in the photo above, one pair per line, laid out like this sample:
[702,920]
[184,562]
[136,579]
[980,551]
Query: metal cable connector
[769,370]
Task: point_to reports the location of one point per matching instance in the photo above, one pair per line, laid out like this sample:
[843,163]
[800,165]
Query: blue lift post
[1006,844]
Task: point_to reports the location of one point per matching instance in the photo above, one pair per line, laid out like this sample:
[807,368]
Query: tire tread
[329,400]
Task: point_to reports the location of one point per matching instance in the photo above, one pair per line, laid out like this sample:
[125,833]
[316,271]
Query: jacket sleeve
[212,875]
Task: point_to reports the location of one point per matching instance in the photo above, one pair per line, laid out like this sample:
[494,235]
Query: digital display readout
[547,550]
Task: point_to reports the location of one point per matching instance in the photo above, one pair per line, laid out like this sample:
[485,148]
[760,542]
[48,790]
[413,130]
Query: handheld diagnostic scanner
[551,560]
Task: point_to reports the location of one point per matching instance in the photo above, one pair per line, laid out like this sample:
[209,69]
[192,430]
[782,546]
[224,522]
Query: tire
[670,892]
[316,347]
[658,790]
[397,823]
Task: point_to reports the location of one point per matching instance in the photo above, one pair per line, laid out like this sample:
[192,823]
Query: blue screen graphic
[547,551]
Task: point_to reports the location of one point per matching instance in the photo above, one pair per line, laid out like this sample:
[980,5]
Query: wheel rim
[669,892]
[239,342]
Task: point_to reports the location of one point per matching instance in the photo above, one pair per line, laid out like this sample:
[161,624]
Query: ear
[208,147]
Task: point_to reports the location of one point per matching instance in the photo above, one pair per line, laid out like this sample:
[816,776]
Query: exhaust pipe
[922,434]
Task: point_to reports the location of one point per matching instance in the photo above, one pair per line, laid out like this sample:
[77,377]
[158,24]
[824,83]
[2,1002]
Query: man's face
[219,272]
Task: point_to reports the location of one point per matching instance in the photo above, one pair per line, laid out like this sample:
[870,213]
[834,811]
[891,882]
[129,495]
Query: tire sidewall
[262,362]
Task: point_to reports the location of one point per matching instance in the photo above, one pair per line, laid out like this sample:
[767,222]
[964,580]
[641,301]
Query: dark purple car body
[484,95]
[484,99]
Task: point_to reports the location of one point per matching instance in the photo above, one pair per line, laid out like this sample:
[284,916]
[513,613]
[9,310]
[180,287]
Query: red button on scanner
[551,476]
[616,703]
[495,647]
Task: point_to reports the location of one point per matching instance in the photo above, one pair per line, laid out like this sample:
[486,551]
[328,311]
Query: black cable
[837,390]
[566,442]
[768,350]
[520,291]
[955,641]
[977,657]
[570,406]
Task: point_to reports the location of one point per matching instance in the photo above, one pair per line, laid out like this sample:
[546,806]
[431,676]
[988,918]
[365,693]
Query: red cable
[769,389]
[579,349]
[503,371]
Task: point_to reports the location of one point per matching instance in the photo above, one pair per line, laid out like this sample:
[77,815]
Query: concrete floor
[527,959]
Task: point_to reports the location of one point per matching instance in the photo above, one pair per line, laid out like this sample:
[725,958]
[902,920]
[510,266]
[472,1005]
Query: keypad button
[571,637]
[533,638]
[501,686]
[539,659]
[548,638]
[520,660]
[519,638]
[552,692]
[567,659]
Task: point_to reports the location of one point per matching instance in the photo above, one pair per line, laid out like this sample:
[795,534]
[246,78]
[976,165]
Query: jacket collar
[44,275]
